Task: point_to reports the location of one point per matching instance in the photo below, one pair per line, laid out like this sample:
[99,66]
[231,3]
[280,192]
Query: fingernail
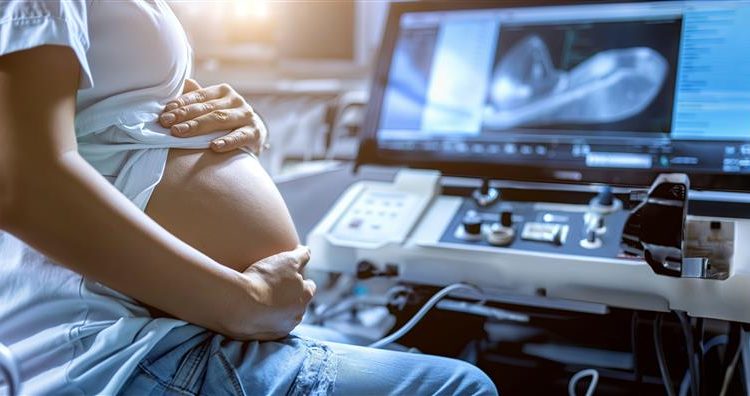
[170,106]
[167,118]
[220,143]
[179,129]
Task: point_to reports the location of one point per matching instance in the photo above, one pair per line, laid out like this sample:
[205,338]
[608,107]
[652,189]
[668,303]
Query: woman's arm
[58,204]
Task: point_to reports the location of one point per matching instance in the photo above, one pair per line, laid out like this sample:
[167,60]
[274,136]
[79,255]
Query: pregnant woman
[119,189]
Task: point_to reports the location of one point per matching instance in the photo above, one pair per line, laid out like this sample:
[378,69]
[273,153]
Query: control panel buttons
[374,216]
[591,241]
[555,234]
[506,218]
[500,235]
[485,195]
[599,226]
[591,236]
[605,197]
[605,202]
[471,227]
[555,218]
[548,227]
[472,223]
[596,222]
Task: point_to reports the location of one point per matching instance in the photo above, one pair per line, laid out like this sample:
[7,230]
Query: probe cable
[577,377]
[422,312]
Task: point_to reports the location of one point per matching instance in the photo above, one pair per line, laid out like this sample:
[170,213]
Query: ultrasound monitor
[582,92]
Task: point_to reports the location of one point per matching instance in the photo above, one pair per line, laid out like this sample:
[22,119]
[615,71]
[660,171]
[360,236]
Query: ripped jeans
[194,361]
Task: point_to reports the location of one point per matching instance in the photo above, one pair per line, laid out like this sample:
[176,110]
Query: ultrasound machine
[589,158]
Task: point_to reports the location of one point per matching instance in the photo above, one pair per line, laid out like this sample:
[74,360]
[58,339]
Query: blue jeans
[192,361]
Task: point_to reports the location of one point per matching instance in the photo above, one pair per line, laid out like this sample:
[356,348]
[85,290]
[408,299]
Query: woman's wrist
[241,308]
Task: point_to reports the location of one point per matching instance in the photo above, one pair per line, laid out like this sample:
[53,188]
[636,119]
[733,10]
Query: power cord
[395,336]
[692,381]
[692,358]
[706,347]
[578,376]
[735,332]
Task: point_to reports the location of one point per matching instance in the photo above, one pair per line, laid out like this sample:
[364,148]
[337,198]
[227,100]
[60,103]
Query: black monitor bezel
[369,153]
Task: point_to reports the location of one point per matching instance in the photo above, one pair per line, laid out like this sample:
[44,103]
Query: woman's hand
[200,111]
[281,293]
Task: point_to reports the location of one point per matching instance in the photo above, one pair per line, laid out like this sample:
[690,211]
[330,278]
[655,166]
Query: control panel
[539,227]
[375,215]
[583,252]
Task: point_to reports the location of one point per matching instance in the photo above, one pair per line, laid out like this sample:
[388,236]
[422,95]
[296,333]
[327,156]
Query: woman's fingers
[216,120]
[302,256]
[182,114]
[201,111]
[190,86]
[198,96]
[309,288]
[238,138]
[281,291]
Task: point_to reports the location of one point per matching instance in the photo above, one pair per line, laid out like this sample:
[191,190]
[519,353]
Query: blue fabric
[192,361]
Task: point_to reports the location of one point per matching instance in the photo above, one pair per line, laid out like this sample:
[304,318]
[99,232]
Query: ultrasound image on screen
[611,76]
[648,86]
[410,73]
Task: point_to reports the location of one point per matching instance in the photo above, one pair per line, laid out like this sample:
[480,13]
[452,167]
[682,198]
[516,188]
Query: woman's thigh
[188,363]
[368,371]
[207,363]
[372,371]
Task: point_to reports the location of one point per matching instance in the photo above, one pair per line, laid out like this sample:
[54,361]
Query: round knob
[605,196]
[500,235]
[485,195]
[506,218]
[472,224]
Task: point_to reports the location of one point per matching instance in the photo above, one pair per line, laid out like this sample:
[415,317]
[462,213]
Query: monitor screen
[612,92]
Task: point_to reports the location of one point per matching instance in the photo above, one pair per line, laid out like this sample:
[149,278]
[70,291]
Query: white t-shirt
[70,334]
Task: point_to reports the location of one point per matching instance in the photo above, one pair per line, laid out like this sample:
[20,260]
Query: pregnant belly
[224,205]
